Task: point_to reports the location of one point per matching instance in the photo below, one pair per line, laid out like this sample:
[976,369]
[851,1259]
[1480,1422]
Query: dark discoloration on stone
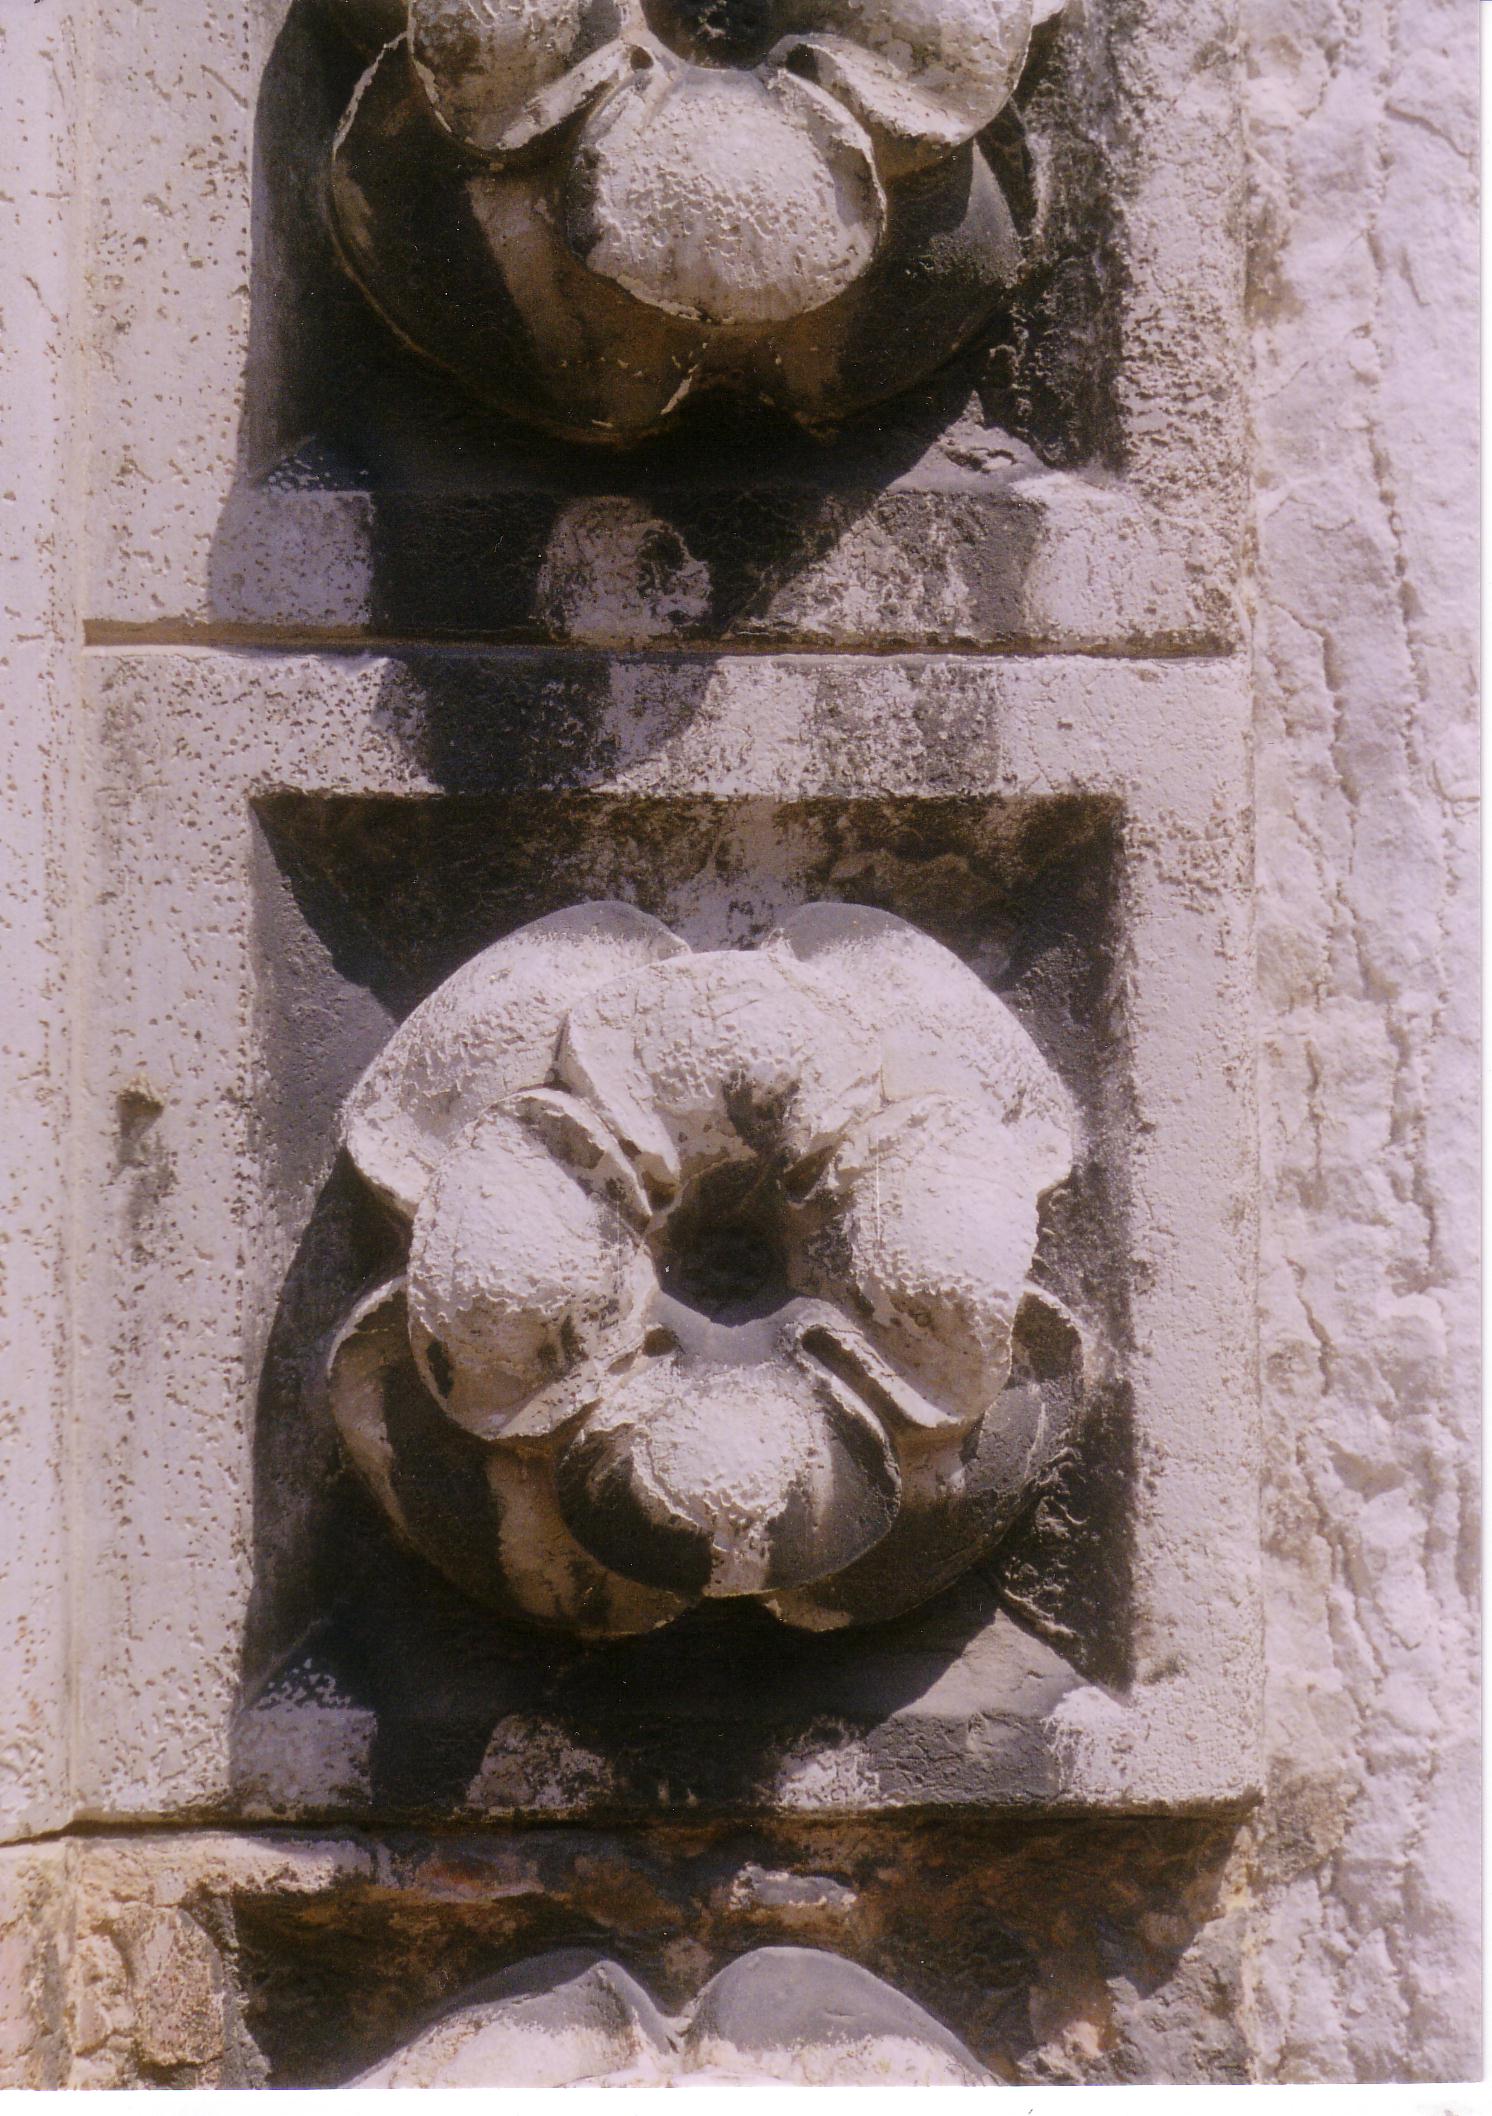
[1053,1951]
[458,510]
[724,1245]
[604,1509]
[467,263]
[566,1991]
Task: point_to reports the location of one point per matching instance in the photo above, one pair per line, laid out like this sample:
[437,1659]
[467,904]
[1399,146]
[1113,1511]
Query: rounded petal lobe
[552,2021]
[940,1026]
[717,1057]
[485,1517]
[923,75]
[491,67]
[727,1479]
[930,1230]
[491,1028]
[719,196]
[517,1268]
[812,2019]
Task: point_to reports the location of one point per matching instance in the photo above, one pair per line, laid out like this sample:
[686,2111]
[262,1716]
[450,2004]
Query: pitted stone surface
[725,199]
[149,1217]
[1363,138]
[305,1958]
[489,1030]
[564,2019]
[293,825]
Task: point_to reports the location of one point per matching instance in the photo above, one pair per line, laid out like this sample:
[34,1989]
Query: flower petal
[713,194]
[947,1520]
[518,1266]
[727,1479]
[808,2018]
[923,75]
[555,2020]
[500,72]
[932,1221]
[828,1340]
[714,1057]
[490,1028]
[485,1517]
[370,1344]
[941,1028]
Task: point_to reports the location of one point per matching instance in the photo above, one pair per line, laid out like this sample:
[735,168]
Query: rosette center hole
[724,1248]
[715,32]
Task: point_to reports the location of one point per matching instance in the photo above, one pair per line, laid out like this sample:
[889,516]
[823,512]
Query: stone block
[314,1959]
[303,849]
[287,468]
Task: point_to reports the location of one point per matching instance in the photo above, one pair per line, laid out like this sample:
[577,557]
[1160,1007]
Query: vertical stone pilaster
[42,849]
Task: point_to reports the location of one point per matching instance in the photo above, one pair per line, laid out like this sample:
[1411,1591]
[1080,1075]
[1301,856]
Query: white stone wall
[41,842]
[1356,1881]
[1362,126]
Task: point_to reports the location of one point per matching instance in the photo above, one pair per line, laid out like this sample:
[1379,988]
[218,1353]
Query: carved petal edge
[790,2014]
[489,1030]
[484,1517]
[941,1027]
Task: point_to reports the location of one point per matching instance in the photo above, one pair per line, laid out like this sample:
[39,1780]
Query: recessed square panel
[370,823]
[380,898]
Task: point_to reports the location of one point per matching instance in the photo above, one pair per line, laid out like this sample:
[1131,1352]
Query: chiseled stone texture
[41,847]
[38,1911]
[260,801]
[720,1275]
[1335,1936]
[590,214]
[1363,131]
[572,2017]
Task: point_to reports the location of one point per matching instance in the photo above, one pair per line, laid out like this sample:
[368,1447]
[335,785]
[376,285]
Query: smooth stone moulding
[719,1272]
[589,213]
[788,2014]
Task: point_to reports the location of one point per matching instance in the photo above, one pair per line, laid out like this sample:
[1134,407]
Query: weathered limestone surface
[573,2017]
[1362,126]
[172,1098]
[41,835]
[720,1272]
[591,215]
[269,468]
[261,801]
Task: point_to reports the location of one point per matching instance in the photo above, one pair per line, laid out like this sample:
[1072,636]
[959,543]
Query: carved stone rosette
[718,1276]
[589,210]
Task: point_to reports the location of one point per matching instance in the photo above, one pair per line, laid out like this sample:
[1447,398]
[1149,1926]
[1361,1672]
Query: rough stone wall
[1334,1937]
[1362,124]
[39,795]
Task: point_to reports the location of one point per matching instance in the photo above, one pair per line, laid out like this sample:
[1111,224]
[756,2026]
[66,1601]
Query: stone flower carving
[575,2018]
[717,1274]
[589,209]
